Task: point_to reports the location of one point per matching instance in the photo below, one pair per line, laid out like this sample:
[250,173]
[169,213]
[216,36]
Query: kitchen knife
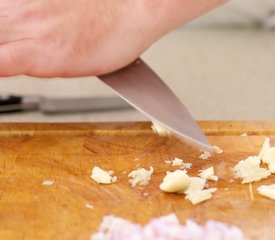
[144,90]
[60,105]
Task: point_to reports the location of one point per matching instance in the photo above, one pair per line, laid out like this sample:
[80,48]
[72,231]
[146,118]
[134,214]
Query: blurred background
[222,66]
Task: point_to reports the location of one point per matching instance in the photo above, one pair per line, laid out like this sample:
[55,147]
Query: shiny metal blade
[143,89]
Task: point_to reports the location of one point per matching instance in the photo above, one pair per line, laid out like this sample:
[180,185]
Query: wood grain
[66,153]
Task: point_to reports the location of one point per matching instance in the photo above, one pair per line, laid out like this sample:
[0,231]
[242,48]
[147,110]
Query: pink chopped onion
[165,228]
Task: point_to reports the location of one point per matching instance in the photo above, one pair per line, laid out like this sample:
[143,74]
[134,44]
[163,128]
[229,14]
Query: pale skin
[73,38]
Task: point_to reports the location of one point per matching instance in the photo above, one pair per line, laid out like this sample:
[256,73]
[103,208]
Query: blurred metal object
[59,105]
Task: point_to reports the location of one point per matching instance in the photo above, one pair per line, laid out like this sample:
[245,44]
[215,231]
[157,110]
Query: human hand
[70,38]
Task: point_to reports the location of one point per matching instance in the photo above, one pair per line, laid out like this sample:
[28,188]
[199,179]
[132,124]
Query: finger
[16,58]
[10,34]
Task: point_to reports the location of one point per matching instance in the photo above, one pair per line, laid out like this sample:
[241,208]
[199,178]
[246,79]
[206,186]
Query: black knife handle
[10,104]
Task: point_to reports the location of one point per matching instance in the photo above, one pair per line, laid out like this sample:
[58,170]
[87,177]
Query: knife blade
[10,103]
[139,85]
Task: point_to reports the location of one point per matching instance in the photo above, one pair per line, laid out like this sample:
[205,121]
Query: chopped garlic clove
[217,150]
[195,184]
[268,157]
[244,135]
[205,155]
[267,191]
[159,129]
[265,147]
[250,171]
[208,174]
[168,161]
[103,177]
[177,162]
[175,181]
[196,197]
[140,176]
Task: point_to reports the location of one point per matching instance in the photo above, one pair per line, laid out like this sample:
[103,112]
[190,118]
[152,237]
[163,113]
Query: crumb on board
[88,205]
[48,182]
[145,194]
[244,135]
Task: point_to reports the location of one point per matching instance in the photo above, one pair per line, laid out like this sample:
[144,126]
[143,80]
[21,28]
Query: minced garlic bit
[159,129]
[205,155]
[250,171]
[140,176]
[244,135]
[208,174]
[200,196]
[267,155]
[87,205]
[175,181]
[267,191]
[265,147]
[48,182]
[177,162]
[103,177]
[217,150]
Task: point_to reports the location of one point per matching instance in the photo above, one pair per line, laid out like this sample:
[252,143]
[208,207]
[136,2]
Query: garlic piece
[217,150]
[205,155]
[195,184]
[268,157]
[267,191]
[177,162]
[265,147]
[175,181]
[48,182]
[140,176]
[196,197]
[103,177]
[250,171]
[208,174]
[159,129]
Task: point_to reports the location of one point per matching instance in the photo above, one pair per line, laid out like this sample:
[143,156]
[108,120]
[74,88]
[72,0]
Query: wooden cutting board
[66,153]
